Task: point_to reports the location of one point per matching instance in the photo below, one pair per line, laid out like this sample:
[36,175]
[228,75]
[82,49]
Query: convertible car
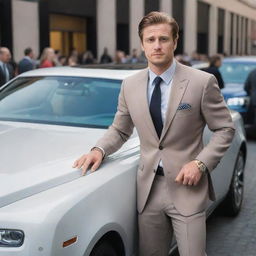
[48,118]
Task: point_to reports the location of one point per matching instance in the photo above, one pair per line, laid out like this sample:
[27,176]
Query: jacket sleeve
[218,118]
[120,130]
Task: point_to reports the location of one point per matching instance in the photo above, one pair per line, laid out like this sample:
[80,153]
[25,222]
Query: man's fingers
[86,164]
[179,178]
[96,165]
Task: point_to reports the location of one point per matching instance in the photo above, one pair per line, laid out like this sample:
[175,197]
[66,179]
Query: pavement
[227,236]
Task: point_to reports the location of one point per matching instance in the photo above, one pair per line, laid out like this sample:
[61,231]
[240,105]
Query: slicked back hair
[154,18]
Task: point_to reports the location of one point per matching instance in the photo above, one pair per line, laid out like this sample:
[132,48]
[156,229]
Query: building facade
[206,26]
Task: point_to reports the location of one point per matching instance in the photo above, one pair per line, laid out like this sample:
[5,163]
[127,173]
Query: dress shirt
[165,86]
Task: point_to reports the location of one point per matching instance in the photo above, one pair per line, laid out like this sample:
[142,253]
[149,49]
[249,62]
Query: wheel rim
[238,184]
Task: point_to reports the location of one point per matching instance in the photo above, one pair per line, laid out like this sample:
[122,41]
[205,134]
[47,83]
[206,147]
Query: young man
[169,104]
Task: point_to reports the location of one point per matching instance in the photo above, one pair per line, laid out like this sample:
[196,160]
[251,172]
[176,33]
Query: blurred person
[105,57]
[134,58]
[215,63]
[250,88]
[47,59]
[88,58]
[6,69]
[27,63]
[63,60]
[120,57]
[72,60]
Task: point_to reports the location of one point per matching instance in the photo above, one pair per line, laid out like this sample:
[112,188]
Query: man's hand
[93,158]
[189,174]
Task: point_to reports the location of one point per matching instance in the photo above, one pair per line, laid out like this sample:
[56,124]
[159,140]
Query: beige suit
[181,139]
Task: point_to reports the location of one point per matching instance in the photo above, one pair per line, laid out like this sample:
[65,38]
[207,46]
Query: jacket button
[161,147]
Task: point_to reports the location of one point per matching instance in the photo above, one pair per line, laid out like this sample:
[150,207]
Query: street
[236,236]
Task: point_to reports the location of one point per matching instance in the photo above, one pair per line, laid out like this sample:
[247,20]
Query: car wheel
[104,249]
[233,201]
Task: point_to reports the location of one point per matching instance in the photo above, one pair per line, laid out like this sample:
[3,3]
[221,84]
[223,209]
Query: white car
[48,118]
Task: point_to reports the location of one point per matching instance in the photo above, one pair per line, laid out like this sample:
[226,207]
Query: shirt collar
[166,76]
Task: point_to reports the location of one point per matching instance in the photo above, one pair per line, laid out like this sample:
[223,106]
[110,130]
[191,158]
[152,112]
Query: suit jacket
[25,65]
[181,139]
[250,87]
[215,71]
[3,75]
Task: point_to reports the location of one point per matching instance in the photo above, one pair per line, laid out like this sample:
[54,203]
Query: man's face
[158,45]
[5,56]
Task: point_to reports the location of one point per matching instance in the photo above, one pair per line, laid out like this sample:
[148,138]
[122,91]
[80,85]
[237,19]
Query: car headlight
[11,238]
[238,101]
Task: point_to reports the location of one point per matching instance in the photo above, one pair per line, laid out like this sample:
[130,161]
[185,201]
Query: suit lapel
[144,106]
[179,85]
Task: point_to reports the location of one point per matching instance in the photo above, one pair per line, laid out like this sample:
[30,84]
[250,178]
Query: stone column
[166,6]
[190,26]
[239,35]
[244,35]
[106,26]
[25,24]
[227,32]
[234,32]
[249,37]
[213,30]
[136,14]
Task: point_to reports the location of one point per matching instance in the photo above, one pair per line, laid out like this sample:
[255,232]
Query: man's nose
[157,45]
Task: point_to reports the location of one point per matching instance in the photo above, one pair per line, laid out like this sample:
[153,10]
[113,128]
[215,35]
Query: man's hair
[213,59]
[154,18]
[27,51]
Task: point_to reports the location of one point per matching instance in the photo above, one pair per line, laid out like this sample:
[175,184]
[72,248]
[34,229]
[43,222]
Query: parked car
[235,71]
[49,117]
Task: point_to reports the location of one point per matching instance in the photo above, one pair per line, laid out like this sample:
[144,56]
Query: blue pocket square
[184,106]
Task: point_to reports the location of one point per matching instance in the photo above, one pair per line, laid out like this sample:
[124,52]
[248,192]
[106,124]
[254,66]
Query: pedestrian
[169,104]
[6,69]
[47,59]
[88,58]
[215,64]
[105,57]
[27,63]
[250,88]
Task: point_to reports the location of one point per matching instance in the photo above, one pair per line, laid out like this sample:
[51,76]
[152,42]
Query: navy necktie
[155,106]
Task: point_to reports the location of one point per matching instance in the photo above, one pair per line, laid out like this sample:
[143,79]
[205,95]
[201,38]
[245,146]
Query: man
[250,88]
[215,64]
[6,70]
[169,104]
[27,63]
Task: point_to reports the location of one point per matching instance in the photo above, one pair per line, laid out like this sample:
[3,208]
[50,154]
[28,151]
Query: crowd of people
[52,58]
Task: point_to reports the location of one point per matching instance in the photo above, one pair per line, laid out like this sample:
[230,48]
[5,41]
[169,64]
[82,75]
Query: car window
[76,101]
[236,72]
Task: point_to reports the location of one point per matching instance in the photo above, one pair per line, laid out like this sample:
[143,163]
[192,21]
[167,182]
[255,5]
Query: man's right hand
[93,158]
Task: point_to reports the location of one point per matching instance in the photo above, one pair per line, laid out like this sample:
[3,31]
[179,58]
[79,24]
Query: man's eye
[150,40]
[164,39]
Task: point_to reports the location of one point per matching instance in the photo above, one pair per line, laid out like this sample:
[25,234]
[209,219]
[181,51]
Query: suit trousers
[160,220]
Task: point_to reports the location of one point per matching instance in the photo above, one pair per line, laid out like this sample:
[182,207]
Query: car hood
[233,90]
[36,157]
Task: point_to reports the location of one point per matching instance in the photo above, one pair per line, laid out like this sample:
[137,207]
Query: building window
[67,32]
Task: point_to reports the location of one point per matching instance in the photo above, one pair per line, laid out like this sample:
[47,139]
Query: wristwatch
[201,166]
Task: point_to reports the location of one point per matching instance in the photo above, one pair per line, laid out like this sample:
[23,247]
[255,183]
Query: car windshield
[74,101]
[236,72]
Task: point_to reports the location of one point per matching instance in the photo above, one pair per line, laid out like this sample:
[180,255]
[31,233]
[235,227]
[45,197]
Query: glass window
[76,101]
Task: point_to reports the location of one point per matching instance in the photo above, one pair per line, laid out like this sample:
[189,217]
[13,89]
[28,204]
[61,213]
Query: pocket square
[184,106]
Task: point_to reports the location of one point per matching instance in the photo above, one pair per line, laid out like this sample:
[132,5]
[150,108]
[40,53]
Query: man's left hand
[189,174]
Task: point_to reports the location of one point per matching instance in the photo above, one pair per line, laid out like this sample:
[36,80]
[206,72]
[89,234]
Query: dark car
[234,71]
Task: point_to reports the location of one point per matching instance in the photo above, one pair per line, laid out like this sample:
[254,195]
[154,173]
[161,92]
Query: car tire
[104,249]
[233,201]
